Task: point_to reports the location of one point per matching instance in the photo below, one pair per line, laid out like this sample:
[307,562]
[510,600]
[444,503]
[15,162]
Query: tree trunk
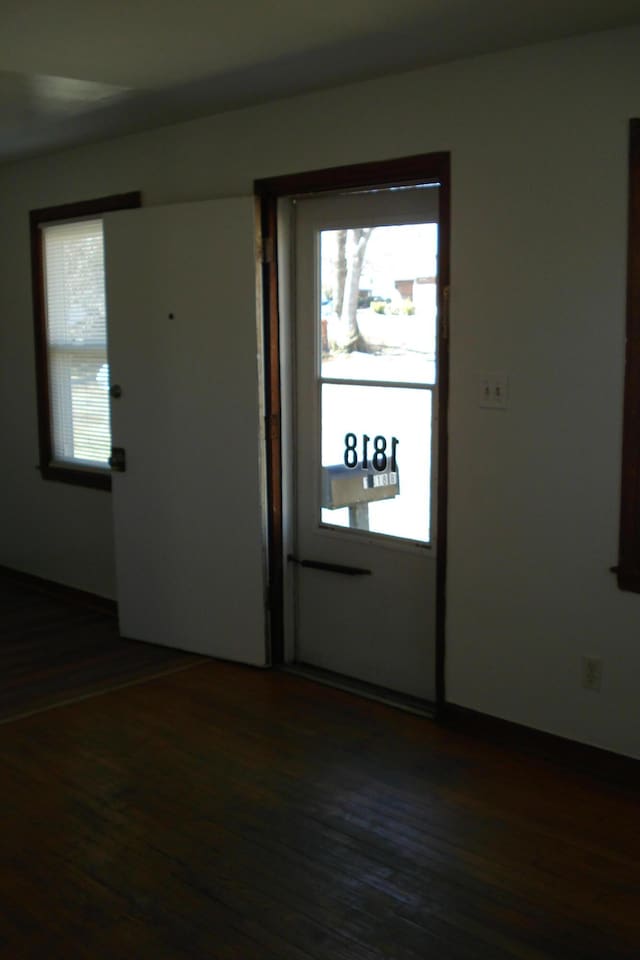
[341,272]
[349,312]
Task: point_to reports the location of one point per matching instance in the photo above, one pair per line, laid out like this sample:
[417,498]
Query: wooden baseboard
[581,758]
[72,594]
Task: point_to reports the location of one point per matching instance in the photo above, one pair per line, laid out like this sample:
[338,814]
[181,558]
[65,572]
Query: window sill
[94,477]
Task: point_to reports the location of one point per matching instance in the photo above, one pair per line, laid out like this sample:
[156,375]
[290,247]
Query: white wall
[538,138]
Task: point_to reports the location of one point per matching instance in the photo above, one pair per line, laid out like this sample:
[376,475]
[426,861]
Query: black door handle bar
[330,567]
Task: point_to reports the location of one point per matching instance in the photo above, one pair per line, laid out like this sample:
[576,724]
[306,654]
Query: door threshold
[371,691]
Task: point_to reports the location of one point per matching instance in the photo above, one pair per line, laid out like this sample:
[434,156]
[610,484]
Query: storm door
[364,439]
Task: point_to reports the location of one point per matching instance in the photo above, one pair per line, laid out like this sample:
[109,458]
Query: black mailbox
[346,487]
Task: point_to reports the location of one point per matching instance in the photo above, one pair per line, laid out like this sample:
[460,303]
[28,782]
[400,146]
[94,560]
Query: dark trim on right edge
[444,291]
[593,762]
[267,209]
[628,568]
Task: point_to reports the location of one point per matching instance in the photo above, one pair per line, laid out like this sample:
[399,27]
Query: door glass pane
[378,311]
[363,485]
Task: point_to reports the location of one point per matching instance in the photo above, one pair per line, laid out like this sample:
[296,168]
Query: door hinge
[267,249]
[272,426]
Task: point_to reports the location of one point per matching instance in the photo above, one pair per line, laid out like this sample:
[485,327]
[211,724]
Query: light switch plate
[494,391]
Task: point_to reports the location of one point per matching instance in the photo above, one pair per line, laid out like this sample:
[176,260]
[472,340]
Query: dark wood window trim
[628,569]
[87,477]
[423,168]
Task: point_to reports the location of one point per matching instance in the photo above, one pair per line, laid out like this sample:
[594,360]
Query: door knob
[118,460]
[115,391]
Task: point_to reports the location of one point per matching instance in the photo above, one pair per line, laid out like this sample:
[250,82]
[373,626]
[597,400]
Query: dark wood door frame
[406,171]
[628,568]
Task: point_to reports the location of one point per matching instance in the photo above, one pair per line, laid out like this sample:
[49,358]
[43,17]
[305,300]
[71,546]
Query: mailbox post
[356,488]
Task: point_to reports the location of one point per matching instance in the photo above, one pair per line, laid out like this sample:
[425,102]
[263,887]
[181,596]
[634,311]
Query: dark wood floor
[226,812]
[52,650]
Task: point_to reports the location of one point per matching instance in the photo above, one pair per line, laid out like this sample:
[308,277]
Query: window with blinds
[70,317]
[76,329]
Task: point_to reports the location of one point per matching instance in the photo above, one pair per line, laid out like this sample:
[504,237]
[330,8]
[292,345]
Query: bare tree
[349,289]
[341,271]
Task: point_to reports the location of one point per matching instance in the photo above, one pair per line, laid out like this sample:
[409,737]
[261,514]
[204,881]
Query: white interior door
[365,451]
[183,348]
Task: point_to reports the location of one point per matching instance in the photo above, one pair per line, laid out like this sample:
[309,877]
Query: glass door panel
[376,459]
[378,303]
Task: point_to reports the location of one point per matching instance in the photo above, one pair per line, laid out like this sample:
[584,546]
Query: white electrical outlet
[592,673]
[494,391]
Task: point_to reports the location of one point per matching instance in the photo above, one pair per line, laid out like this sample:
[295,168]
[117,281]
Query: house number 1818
[379,460]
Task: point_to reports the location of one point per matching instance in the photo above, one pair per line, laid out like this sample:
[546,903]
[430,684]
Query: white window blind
[76,324]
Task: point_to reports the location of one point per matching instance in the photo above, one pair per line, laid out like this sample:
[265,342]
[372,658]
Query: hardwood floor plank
[241,814]
[53,651]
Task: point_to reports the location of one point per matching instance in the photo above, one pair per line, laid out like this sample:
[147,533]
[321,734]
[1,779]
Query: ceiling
[79,70]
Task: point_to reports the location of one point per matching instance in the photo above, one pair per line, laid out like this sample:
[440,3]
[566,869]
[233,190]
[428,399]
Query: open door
[183,351]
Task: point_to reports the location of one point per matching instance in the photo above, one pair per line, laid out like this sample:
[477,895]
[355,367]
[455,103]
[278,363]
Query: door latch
[118,460]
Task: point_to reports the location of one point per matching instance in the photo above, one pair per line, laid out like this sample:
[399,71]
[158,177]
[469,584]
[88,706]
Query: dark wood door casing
[406,171]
